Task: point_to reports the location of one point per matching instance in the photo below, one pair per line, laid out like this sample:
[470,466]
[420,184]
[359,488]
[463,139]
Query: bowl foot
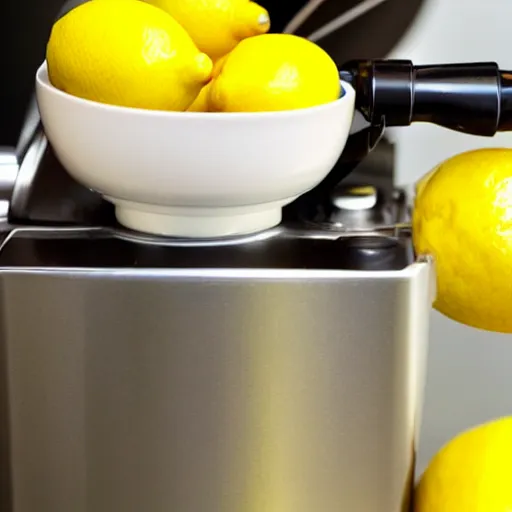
[189,222]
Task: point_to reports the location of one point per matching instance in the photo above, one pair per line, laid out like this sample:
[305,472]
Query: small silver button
[355,197]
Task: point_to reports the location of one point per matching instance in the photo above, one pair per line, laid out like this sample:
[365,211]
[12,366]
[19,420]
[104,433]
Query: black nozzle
[505,122]
[473,98]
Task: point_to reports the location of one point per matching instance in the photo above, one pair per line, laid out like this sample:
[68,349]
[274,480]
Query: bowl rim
[43,82]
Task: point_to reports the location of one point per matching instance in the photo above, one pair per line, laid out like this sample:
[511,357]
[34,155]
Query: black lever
[474,98]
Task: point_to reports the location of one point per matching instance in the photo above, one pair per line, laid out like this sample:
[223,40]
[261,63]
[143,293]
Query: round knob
[371,253]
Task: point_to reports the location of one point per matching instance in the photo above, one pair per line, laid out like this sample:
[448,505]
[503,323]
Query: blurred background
[469,372]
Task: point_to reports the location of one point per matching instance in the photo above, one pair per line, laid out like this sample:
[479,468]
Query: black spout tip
[473,98]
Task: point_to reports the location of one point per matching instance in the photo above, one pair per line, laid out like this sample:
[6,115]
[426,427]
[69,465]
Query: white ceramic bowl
[194,174]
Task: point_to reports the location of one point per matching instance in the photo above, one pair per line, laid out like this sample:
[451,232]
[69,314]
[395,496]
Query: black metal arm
[473,98]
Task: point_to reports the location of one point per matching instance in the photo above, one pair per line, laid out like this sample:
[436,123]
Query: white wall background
[470,372]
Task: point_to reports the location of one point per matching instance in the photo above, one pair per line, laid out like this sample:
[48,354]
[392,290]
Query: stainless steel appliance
[277,372]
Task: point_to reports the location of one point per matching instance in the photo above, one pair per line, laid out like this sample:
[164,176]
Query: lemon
[463,217]
[126,53]
[422,182]
[274,72]
[472,473]
[217,26]
[201,103]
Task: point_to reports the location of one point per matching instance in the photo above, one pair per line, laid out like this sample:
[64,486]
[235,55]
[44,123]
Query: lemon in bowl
[217,26]
[268,73]
[194,174]
[274,72]
[126,53]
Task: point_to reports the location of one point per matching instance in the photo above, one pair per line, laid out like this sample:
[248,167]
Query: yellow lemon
[472,473]
[126,53]
[217,26]
[463,217]
[201,103]
[274,72]
[421,183]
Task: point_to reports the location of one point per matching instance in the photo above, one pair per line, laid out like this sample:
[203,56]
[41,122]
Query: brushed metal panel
[214,391]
